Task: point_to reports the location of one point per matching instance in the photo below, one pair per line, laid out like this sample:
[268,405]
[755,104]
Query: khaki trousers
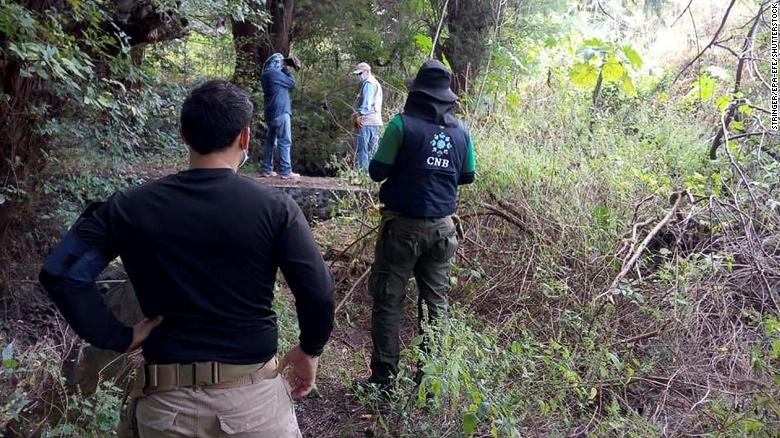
[260,410]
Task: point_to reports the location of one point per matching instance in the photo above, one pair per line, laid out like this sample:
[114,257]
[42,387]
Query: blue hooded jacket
[277,82]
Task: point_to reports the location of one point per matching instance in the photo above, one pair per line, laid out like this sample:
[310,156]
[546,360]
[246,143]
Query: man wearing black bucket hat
[424,154]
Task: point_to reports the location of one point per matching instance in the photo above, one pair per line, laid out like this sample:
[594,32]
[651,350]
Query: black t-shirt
[202,248]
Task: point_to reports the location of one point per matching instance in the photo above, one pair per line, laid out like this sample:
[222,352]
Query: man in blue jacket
[277,81]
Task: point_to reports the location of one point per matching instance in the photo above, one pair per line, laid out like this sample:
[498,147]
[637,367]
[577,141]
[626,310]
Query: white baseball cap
[362,68]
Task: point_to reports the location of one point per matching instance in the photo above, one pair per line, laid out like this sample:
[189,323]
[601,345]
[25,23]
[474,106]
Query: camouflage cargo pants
[405,247]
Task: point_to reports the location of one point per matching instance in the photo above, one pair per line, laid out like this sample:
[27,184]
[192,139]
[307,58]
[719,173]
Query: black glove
[293,62]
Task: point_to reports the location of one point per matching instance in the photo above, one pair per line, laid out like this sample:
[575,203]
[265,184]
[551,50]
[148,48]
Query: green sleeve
[470,163]
[391,141]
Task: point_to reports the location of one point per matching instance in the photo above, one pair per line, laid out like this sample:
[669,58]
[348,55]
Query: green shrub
[34,398]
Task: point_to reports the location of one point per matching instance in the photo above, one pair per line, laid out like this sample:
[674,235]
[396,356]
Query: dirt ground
[335,411]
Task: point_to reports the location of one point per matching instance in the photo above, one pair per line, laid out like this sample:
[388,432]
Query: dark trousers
[405,247]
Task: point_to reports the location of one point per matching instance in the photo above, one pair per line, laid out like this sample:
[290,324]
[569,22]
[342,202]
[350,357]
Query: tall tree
[255,42]
[280,28]
[466,47]
[246,40]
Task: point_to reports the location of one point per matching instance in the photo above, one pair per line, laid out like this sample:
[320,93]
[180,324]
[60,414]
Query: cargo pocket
[272,417]
[398,246]
[395,248]
[445,247]
[239,423]
[376,284]
[247,409]
[152,419]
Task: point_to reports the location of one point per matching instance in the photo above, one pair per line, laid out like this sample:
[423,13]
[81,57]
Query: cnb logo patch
[440,148]
[441,144]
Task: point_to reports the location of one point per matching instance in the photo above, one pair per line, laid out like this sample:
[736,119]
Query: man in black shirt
[202,248]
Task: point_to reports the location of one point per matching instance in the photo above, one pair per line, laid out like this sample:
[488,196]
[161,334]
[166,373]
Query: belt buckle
[203,373]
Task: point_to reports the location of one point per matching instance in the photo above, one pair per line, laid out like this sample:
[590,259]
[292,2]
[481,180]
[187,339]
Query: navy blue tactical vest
[423,181]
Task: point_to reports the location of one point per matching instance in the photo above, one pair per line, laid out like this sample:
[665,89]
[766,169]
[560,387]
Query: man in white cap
[367,115]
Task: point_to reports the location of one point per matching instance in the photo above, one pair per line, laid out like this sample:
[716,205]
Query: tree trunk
[246,40]
[254,43]
[143,23]
[279,30]
[466,48]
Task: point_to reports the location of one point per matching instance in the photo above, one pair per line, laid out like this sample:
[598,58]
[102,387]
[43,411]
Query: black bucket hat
[434,79]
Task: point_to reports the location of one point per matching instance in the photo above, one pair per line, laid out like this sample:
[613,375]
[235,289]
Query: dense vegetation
[620,270]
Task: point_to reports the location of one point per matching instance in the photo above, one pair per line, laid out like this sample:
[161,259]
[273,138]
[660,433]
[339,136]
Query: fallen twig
[352,289]
[636,338]
[640,249]
[506,216]
[343,251]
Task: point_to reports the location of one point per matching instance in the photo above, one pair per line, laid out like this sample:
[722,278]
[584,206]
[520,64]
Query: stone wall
[320,204]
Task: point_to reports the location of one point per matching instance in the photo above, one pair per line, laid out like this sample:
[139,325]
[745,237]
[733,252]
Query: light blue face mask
[246,158]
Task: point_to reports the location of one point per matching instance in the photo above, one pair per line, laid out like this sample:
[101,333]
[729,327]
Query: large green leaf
[584,74]
[737,125]
[633,57]
[423,42]
[774,352]
[470,422]
[613,70]
[594,42]
[588,53]
[722,101]
[627,85]
[704,86]
[751,425]
[602,216]
[592,48]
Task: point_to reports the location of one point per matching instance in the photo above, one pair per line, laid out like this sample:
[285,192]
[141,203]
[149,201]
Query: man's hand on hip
[358,121]
[141,331]
[303,373]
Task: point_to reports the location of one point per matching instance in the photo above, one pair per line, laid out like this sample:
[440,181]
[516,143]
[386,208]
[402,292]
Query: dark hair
[213,115]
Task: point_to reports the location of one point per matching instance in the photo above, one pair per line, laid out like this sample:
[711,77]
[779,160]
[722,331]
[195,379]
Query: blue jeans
[278,136]
[366,144]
